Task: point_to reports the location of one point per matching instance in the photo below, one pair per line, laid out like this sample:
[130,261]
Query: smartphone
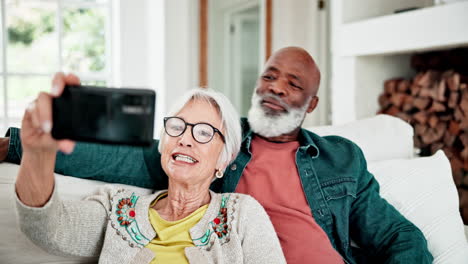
[104,115]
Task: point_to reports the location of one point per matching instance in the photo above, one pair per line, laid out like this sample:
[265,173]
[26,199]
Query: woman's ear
[221,166]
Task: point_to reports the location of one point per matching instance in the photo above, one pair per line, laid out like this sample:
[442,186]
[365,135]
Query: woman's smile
[183,158]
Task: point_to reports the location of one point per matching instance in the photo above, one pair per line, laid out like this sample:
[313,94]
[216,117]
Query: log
[417,141]
[428,92]
[436,146]
[384,101]
[463,111]
[458,178]
[397,99]
[429,137]
[437,107]
[440,130]
[464,103]
[403,116]
[458,114]
[408,104]
[390,86]
[441,91]
[453,82]
[449,139]
[432,121]
[420,117]
[464,139]
[420,129]
[454,128]
[417,78]
[464,124]
[434,134]
[425,79]
[453,99]
[393,111]
[447,74]
[403,86]
[445,117]
[463,193]
[464,215]
[464,154]
[421,103]
[456,164]
[449,151]
[415,89]
[463,86]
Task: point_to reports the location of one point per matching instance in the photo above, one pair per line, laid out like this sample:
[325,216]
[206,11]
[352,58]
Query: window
[41,37]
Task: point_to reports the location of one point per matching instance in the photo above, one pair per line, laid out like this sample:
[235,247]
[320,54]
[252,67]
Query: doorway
[236,49]
[243,46]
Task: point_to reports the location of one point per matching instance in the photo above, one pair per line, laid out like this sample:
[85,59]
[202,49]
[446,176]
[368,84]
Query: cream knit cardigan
[97,226]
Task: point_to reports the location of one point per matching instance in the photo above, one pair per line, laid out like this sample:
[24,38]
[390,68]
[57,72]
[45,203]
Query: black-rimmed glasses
[201,132]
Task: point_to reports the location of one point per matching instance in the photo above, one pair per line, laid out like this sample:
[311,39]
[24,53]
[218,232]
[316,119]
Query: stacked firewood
[435,103]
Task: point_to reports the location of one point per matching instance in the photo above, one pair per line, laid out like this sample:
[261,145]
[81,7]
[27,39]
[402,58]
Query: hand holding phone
[104,115]
[37,120]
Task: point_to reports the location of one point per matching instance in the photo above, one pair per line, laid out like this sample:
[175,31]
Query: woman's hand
[37,121]
[35,181]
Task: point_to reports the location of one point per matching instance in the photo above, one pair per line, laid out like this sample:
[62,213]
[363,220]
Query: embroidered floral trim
[125,215]
[126,210]
[219,225]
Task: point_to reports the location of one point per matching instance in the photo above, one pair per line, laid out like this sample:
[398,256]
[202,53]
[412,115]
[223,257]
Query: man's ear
[313,104]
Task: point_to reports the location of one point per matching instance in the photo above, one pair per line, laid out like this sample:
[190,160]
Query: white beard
[274,125]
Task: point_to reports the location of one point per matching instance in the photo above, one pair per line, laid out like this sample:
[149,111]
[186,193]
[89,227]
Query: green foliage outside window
[32,45]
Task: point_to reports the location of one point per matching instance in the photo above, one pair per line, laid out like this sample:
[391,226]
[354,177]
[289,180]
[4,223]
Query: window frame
[61,5]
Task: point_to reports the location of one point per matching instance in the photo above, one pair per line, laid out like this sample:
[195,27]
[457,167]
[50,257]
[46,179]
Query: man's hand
[4,142]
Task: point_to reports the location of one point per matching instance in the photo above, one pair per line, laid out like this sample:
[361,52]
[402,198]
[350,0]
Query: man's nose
[278,87]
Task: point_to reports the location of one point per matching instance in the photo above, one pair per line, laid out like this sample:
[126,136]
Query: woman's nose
[186,138]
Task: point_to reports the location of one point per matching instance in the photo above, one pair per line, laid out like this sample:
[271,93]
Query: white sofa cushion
[381,137]
[422,189]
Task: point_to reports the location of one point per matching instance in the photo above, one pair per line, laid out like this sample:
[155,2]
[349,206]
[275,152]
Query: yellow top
[172,236]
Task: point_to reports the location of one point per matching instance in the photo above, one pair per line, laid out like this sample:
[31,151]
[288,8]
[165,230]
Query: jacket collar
[305,139]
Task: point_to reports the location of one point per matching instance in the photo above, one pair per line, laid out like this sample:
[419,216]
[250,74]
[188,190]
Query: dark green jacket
[343,196]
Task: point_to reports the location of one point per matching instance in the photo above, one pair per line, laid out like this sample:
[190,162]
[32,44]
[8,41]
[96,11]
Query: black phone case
[104,115]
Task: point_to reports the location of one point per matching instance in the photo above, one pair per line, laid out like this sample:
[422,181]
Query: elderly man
[316,190]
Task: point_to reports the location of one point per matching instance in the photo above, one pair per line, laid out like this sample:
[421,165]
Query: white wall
[370,78]
[156,46]
[130,39]
[219,72]
[300,23]
[372,45]
[181,49]
[363,9]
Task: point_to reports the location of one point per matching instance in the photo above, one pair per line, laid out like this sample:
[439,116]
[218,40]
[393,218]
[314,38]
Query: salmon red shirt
[272,178]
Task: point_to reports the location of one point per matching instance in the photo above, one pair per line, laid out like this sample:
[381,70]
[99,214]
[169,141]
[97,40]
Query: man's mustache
[274,97]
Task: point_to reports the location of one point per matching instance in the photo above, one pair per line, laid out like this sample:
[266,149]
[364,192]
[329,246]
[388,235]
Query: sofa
[421,188]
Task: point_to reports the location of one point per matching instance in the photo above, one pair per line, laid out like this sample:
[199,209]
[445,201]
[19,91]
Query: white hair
[230,120]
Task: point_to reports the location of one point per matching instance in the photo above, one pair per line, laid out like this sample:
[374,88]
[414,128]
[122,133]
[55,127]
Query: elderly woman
[186,223]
